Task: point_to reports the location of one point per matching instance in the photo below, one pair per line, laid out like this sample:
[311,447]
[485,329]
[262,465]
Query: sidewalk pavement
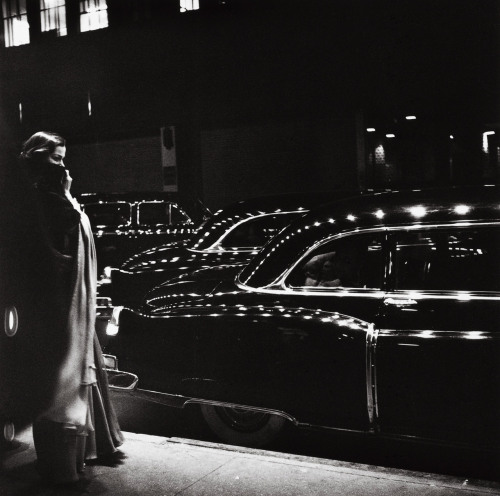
[159,466]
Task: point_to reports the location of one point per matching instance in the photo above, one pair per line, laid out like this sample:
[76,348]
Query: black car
[232,236]
[379,314]
[127,223]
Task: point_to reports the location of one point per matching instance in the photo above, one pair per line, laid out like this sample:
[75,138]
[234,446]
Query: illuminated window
[53,16]
[15,23]
[189,5]
[93,15]
[380,155]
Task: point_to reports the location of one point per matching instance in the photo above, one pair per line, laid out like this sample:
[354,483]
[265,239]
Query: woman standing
[78,422]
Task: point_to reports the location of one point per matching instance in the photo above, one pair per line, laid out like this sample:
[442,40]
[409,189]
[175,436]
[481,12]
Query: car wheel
[241,426]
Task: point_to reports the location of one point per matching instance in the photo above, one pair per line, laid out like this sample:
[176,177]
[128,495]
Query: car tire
[241,426]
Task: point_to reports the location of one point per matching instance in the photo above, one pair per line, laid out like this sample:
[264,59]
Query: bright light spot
[380,155]
[89,104]
[462,209]
[379,214]
[474,335]
[11,321]
[418,211]
[452,137]
[370,129]
[112,327]
[390,135]
[411,117]
[485,140]
[351,218]
[20,34]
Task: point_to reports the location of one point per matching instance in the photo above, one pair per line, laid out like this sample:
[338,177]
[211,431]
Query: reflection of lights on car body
[414,298]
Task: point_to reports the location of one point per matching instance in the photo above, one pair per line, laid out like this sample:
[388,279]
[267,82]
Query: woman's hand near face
[66,183]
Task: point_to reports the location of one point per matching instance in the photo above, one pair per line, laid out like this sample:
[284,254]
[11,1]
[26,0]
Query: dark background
[264,95]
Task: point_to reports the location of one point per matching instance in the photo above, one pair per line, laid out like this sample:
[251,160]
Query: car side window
[153,214]
[108,214]
[160,214]
[351,262]
[448,259]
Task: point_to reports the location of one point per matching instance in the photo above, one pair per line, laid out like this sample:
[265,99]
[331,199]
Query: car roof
[130,197]
[458,205]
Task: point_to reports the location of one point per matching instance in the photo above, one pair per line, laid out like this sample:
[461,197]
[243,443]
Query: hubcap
[242,420]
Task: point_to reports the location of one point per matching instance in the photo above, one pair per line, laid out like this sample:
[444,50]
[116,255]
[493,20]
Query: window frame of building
[15,23]
[53,17]
[93,15]
[188,5]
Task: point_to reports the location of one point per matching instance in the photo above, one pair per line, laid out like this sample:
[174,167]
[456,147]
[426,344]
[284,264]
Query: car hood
[144,258]
[190,287]
[177,256]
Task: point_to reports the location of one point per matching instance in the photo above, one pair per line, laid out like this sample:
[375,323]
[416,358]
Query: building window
[93,15]
[189,5]
[15,23]
[53,16]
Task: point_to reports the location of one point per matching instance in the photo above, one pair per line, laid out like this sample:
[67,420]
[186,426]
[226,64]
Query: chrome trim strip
[371,337]
[179,401]
[439,334]
[374,293]
[221,251]
[443,295]
[245,407]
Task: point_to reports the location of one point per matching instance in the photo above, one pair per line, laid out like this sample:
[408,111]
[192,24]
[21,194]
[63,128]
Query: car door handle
[400,302]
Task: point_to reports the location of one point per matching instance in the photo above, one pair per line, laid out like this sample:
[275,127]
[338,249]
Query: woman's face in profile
[57,156]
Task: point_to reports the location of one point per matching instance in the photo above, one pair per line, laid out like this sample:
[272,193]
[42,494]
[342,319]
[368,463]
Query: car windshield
[109,214]
[286,247]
